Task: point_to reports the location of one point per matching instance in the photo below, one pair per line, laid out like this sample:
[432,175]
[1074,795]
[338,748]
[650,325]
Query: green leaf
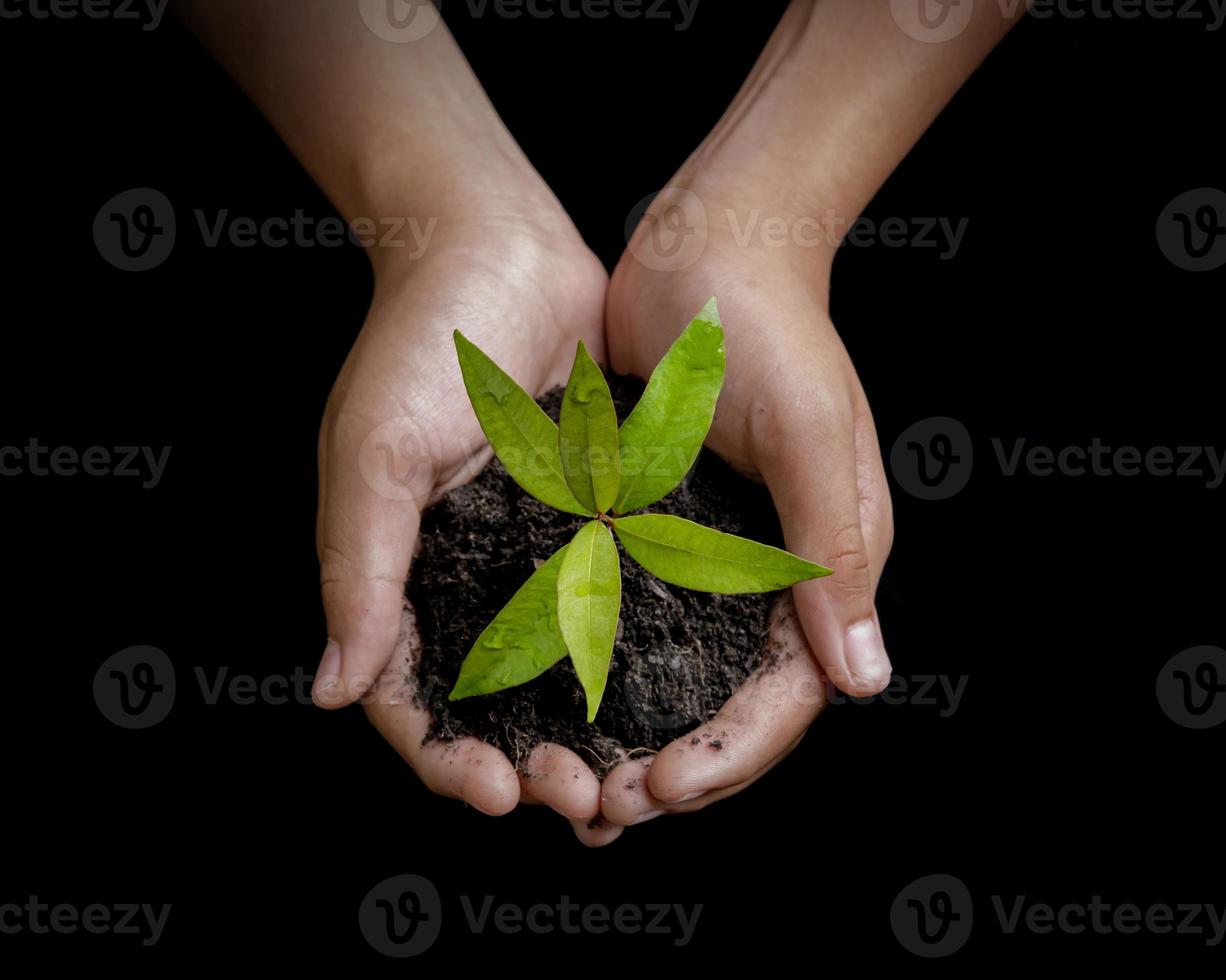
[523,436]
[521,643]
[661,438]
[589,599]
[695,557]
[587,436]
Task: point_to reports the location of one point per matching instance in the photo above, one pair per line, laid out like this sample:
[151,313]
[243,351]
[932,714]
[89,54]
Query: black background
[1060,598]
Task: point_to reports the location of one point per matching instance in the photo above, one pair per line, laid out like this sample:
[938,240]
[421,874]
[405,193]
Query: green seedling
[586,465]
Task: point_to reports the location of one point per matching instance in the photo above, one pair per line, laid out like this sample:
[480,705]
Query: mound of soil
[678,656]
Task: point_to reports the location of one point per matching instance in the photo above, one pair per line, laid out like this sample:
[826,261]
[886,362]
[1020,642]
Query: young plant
[586,465]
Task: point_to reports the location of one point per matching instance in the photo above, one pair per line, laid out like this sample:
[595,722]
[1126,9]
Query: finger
[704,800]
[756,726]
[760,724]
[557,778]
[624,797]
[596,832]
[467,769]
[805,445]
[639,805]
[375,476]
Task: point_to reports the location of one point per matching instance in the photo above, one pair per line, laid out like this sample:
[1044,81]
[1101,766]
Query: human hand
[792,413]
[398,433]
[840,94]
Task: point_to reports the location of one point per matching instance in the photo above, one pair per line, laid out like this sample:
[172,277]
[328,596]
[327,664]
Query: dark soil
[679,654]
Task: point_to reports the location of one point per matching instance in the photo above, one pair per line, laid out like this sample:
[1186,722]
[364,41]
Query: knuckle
[849,559]
[345,582]
[852,592]
[336,566]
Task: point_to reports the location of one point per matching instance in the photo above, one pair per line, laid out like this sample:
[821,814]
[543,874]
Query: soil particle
[679,654]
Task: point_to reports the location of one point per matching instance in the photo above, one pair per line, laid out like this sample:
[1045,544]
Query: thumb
[373,482]
[825,488]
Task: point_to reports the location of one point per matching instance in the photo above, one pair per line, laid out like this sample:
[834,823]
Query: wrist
[507,240]
[772,143]
[839,96]
[502,207]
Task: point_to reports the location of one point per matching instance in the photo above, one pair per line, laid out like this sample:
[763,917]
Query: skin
[838,97]
[836,100]
[505,266]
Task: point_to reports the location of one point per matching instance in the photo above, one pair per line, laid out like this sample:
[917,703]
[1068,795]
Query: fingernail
[327,678]
[649,815]
[691,796]
[865,652]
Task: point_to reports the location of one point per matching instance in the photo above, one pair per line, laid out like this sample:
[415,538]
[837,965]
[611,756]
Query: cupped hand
[793,414]
[398,432]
